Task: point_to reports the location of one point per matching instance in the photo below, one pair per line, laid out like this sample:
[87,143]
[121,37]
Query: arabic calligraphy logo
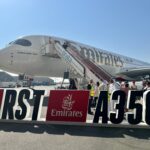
[68,102]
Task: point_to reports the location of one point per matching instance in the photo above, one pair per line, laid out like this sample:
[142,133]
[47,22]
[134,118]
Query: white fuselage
[30,60]
[40,58]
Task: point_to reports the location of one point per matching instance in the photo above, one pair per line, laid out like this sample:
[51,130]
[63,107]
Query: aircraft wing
[135,73]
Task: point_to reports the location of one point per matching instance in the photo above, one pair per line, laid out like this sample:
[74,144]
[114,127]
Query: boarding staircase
[83,66]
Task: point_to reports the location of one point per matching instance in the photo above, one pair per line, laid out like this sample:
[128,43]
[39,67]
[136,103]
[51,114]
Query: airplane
[39,55]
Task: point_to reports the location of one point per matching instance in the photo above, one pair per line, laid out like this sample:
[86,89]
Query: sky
[120,26]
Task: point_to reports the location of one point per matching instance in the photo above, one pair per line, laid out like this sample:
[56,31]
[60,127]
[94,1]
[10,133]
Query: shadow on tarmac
[76,130]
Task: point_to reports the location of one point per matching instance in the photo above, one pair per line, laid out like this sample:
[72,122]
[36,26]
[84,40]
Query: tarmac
[61,137]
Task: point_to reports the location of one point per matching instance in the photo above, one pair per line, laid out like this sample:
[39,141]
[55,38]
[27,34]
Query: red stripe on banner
[1,96]
[67,105]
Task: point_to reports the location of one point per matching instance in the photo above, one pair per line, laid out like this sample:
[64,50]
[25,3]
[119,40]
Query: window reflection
[22,42]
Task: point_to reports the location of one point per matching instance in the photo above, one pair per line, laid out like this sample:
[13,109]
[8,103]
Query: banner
[67,106]
[71,106]
[63,105]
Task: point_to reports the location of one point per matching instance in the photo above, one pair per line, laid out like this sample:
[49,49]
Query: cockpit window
[22,42]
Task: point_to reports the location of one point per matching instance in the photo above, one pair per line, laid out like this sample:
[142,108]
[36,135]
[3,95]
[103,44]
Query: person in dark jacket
[72,84]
